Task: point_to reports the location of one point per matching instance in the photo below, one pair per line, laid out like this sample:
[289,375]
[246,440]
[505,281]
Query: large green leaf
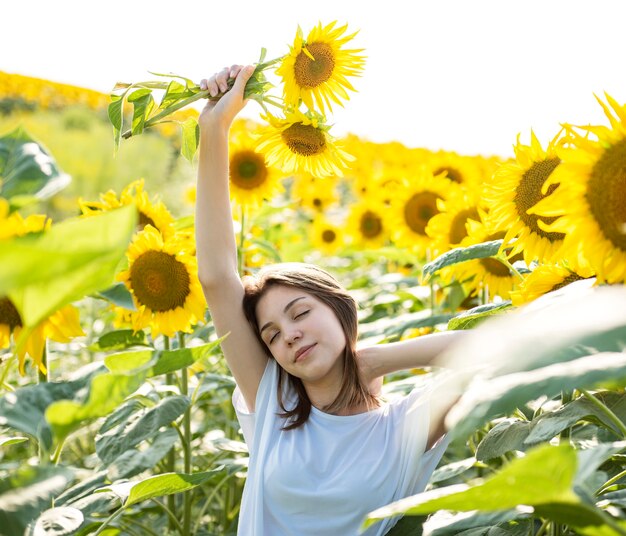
[30,491]
[135,461]
[159,485]
[41,273]
[106,393]
[471,318]
[489,361]
[119,340]
[444,523]
[24,409]
[128,434]
[503,437]
[27,171]
[59,521]
[486,399]
[544,476]
[457,255]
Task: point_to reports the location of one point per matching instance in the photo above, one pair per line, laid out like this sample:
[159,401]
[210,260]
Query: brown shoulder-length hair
[323,286]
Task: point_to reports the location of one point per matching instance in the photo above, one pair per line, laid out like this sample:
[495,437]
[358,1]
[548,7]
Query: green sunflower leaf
[457,255]
[473,317]
[41,273]
[191,138]
[28,173]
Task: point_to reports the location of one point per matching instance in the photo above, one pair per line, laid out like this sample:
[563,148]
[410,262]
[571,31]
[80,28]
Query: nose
[292,335]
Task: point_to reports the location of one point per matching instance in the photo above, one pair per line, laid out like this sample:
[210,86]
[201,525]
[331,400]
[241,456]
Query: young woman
[324,449]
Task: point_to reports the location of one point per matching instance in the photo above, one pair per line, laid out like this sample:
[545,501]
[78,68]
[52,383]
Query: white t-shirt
[325,476]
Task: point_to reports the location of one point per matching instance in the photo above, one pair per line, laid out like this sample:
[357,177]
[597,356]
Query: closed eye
[295,317]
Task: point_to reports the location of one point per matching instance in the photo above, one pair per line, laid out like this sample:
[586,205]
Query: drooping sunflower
[301,142]
[546,278]
[368,224]
[591,199]
[449,227]
[251,179]
[517,186]
[317,68]
[61,326]
[162,278]
[414,206]
[326,237]
[153,213]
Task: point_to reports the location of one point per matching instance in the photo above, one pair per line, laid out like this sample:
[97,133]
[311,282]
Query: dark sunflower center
[305,140]
[419,210]
[528,193]
[458,231]
[159,281]
[371,224]
[9,315]
[569,279]
[311,73]
[329,236]
[606,193]
[453,174]
[247,169]
[144,220]
[317,202]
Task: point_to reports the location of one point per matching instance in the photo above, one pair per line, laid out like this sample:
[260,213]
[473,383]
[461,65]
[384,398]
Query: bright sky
[458,75]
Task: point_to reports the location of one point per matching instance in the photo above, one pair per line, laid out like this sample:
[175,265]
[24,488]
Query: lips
[302,351]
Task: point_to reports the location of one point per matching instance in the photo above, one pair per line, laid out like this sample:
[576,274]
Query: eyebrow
[287,307]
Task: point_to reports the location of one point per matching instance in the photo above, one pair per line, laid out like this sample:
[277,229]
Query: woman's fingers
[212,86]
[222,79]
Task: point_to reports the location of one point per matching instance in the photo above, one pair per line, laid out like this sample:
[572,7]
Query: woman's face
[303,333]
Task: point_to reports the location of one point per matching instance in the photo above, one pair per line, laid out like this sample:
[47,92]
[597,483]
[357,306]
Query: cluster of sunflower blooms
[560,210]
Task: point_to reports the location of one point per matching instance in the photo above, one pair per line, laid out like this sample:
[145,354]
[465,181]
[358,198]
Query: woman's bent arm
[216,248]
[378,360]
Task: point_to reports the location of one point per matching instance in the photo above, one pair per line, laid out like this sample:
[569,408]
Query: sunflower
[316,69]
[448,229]
[591,200]
[162,278]
[367,224]
[464,171]
[149,212]
[61,326]
[517,186]
[486,274]
[252,180]
[301,142]
[313,193]
[546,278]
[413,208]
[326,236]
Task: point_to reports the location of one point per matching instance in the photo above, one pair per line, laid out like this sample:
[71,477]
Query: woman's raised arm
[216,248]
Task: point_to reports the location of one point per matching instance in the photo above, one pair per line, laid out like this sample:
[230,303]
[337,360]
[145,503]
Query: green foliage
[457,255]
[42,273]
[28,172]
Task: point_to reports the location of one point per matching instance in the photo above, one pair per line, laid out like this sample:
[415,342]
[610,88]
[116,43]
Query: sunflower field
[115,400]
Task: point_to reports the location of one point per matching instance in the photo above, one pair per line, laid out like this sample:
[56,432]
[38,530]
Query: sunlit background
[459,75]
